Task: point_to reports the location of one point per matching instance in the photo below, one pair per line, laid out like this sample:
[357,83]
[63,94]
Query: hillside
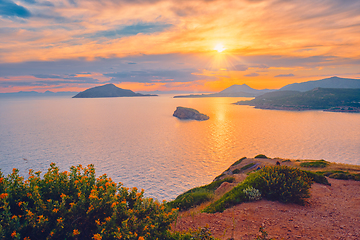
[108,90]
[339,100]
[333,82]
[331,212]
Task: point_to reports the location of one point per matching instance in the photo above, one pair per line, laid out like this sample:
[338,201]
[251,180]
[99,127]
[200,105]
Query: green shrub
[247,166]
[356,176]
[261,156]
[281,183]
[236,171]
[238,161]
[342,176]
[77,205]
[315,164]
[287,160]
[197,195]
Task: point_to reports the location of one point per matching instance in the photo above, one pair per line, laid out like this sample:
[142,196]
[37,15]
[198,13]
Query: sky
[175,45]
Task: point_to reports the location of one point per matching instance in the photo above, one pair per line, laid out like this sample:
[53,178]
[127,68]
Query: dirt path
[332,212]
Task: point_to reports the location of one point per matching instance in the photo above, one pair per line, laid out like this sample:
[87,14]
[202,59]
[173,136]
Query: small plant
[202,234]
[236,171]
[252,194]
[261,156]
[315,164]
[287,160]
[247,166]
[263,234]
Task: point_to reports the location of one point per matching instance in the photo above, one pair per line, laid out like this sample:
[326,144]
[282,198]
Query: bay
[138,142]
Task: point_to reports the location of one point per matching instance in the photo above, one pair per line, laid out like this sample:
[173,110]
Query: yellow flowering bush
[77,205]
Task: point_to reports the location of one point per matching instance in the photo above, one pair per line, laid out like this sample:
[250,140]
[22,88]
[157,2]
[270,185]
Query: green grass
[197,195]
[338,174]
[315,164]
[236,171]
[221,175]
[238,161]
[318,177]
[247,166]
[261,156]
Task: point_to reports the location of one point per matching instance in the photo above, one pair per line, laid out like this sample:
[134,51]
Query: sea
[137,141]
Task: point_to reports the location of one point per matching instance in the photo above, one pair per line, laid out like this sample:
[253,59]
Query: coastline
[300,108]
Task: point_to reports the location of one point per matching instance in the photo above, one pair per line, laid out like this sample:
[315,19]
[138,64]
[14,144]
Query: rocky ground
[332,212]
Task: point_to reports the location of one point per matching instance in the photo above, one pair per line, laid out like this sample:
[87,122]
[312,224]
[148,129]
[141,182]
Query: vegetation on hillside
[335,99]
[197,195]
[281,183]
[315,164]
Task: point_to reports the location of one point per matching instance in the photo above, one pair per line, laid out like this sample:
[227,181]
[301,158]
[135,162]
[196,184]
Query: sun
[219,47]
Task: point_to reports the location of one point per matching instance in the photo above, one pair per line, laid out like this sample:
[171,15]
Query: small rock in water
[189,113]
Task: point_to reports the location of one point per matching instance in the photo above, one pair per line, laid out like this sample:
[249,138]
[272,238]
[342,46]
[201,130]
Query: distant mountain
[333,82]
[108,90]
[232,91]
[244,89]
[36,94]
[329,99]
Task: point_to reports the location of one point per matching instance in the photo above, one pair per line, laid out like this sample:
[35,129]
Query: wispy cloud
[130,30]
[172,41]
[285,75]
[251,75]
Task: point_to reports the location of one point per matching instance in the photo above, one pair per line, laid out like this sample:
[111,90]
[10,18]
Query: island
[327,99]
[108,90]
[189,113]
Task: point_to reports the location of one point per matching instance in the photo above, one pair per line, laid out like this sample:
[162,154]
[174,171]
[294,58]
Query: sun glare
[219,47]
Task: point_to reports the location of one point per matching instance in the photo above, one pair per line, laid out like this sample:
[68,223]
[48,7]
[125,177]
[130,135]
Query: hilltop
[108,90]
[332,82]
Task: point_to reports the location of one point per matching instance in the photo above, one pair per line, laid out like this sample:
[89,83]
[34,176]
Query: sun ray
[219,47]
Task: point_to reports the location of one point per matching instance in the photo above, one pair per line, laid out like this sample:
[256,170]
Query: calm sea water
[138,142]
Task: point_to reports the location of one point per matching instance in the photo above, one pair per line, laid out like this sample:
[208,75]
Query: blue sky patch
[10,9]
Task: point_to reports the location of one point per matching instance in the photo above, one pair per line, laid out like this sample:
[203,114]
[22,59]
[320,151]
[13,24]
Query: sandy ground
[332,212]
